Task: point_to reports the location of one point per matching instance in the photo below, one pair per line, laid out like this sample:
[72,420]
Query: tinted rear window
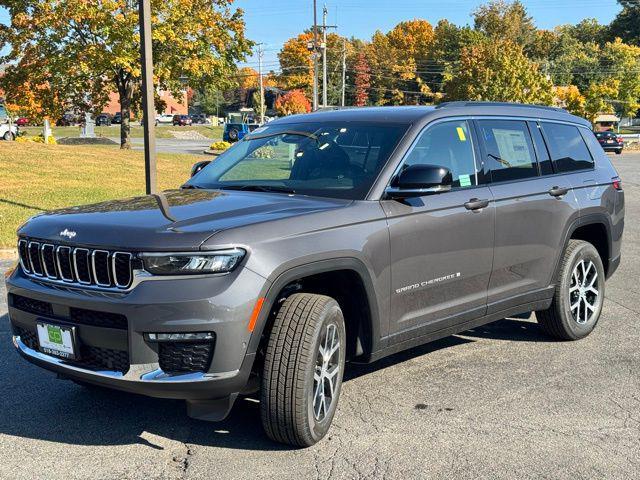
[567,148]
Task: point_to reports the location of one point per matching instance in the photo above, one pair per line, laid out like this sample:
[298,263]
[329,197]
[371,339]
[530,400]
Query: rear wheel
[618,152]
[233,134]
[8,136]
[303,370]
[579,294]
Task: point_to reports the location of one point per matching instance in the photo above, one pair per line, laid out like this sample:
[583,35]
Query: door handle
[476,204]
[558,191]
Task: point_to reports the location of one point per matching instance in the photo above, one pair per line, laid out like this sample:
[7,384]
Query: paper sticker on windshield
[465,180]
[461,135]
[260,130]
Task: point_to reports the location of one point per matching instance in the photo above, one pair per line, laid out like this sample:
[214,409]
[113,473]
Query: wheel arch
[367,323]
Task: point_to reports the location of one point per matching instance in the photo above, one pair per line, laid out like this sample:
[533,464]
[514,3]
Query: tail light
[617,183]
[620,139]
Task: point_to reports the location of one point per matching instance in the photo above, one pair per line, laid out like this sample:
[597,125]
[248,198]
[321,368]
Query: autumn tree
[501,20]
[296,63]
[597,98]
[626,25]
[362,81]
[622,62]
[497,71]
[83,50]
[569,98]
[291,103]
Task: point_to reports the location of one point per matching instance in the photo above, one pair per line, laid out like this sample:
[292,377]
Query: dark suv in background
[318,240]
[610,142]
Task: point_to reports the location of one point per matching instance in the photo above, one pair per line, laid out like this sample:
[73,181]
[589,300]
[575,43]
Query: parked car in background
[117,118]
[182,120]
[103,120]
[67,120]
[236,131]
[7,133]
[164,118]
[199,118]
[610,142]
[22,122]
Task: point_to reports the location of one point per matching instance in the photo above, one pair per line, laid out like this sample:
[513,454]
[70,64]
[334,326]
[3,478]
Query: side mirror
[199,166]
[420,180]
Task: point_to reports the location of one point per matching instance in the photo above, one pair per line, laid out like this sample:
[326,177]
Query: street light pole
[260,53]
[324,56]
[148,107]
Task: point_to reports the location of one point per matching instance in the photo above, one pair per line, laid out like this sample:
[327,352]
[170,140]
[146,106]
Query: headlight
[220,261]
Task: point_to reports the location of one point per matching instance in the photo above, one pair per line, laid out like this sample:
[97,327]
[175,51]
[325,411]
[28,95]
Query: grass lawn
[162,131]
[35,178]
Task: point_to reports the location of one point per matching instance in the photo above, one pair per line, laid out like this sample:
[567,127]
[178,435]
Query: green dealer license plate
[57,340]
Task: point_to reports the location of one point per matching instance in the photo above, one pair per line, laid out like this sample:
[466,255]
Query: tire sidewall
[584,252]
[331,314]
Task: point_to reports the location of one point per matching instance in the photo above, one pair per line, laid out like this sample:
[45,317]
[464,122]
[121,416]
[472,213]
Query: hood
[176,219]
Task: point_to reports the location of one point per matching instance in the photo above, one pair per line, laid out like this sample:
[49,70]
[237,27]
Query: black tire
[233,134]
[287,404]
[559,320]
[8,136]
[618,152]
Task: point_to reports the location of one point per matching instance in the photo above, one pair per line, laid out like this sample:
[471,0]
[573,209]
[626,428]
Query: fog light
[179,337]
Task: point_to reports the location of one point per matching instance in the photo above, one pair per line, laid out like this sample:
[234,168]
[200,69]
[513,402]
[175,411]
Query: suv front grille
[76,265]
[183,357]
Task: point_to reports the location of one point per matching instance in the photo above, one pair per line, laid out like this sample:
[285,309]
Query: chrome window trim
[33,270]
[44,264]
[64,280]
[75,265]
[113,269]
[93,265]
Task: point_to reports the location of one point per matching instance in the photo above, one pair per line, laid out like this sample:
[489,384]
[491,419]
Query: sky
[272,22]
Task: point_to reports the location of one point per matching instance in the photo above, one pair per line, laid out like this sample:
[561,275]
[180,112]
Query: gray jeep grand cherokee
[320,239]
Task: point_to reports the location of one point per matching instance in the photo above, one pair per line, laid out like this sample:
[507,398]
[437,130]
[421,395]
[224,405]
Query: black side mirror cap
[420,180]
[199,166]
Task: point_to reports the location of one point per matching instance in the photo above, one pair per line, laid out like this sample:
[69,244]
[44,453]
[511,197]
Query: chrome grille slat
[64,264]
[35,259]
[80,266]
[116,260]
[49,259]
[80,252]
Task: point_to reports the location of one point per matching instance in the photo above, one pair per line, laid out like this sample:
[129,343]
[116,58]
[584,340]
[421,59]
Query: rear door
[533,205]
[441,244]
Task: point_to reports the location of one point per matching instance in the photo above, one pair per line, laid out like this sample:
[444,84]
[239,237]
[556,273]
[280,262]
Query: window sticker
[461,135]
[465,180]
[513,148]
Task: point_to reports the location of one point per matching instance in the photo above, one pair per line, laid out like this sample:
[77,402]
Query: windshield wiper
[282,132]
[259,188]
[189,186]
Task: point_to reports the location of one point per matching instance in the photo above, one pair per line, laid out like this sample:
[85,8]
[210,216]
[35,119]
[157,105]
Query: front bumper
[218,304]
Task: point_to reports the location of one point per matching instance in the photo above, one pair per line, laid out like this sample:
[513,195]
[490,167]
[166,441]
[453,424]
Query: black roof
[422,114]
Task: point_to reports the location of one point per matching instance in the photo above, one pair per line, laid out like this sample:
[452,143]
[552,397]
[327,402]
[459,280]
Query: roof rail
[465,103]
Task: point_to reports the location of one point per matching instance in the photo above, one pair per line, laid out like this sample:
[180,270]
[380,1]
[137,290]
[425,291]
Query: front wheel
[579,294]
[303,369]
[8,136]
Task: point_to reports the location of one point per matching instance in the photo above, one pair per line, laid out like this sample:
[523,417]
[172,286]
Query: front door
[441,244]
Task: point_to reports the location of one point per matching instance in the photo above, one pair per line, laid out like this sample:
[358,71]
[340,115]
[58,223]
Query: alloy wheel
[584,294]
[325,375]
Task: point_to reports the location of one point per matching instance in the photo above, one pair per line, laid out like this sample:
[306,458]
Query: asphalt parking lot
[501,401]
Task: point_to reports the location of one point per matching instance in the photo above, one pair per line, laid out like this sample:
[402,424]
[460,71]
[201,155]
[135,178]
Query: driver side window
[450,145]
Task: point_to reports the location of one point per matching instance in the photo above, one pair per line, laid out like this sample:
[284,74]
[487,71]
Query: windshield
[339,160]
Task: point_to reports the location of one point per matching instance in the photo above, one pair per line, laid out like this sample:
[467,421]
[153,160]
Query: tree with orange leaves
[292,102]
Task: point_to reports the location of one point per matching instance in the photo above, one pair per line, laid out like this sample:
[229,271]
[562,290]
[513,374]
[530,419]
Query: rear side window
[450,145]
[567,147]
[509,150]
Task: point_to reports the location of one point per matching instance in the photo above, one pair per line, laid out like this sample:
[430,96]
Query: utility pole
[148,108]
[324,56]
[315,56]
[344,69]
[260,53]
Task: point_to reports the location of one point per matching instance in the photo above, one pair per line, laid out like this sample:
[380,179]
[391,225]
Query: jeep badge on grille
[68,233]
